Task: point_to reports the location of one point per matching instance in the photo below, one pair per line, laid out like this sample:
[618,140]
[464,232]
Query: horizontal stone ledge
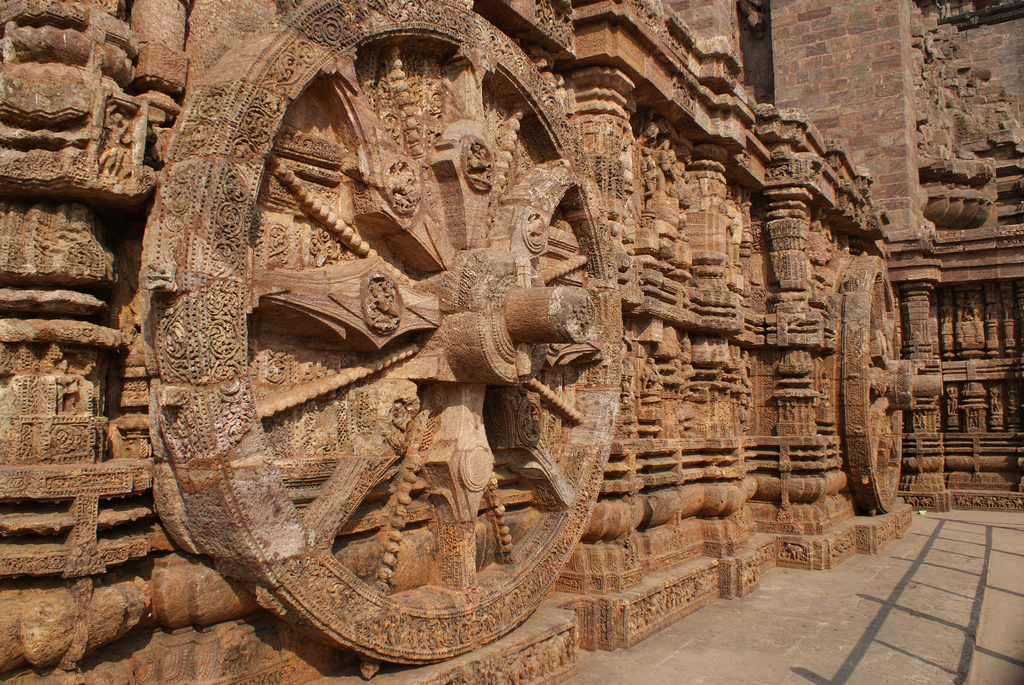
[67,302]
[60,331]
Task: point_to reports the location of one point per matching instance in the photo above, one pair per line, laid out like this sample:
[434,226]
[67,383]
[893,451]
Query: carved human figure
[995,407]
[1012,399]
[534,230]
[952,406]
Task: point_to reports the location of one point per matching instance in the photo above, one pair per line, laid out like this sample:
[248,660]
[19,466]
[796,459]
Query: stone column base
[740,575]
[861,535]
[621,619]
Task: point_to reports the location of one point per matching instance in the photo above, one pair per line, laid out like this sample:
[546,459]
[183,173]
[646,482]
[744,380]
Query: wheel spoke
[537,466]
[458,467]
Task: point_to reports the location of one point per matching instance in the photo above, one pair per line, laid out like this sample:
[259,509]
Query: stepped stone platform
[942,605]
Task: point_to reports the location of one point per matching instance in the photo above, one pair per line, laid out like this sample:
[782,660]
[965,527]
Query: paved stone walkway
[908,615]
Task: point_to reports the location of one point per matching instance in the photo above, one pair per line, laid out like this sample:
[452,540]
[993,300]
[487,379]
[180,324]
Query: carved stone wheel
[871,392]
[375,289]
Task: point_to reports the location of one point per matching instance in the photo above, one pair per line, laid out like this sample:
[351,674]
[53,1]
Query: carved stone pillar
[916,303]
[923,460]
[975,408]
[992,319]
[795,395]
[1009,309]
[798,326]
[602,96]
[161,71]
[707,228]
[160,26]
[947,315]
[707,225]
[72,145]
[788,226]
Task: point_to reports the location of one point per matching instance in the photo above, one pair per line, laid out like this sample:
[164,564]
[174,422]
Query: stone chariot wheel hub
[375,312]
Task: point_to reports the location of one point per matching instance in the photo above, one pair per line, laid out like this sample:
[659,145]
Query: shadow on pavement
[891,604]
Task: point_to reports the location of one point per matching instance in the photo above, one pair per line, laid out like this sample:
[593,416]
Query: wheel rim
[872,429]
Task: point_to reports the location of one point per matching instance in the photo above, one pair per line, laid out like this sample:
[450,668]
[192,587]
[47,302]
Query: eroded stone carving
[421,323]
[450,314]
[965,326]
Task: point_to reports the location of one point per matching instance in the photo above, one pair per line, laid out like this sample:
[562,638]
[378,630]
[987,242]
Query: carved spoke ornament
[374,285]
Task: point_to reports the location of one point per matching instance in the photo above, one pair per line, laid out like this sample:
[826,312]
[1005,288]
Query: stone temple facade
[929,96]
[425,341]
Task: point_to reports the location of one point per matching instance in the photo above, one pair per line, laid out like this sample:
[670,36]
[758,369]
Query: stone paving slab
[908,615]
[999,650]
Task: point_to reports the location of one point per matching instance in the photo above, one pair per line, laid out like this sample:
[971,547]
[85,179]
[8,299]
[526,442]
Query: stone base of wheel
[542,651]
[619,620]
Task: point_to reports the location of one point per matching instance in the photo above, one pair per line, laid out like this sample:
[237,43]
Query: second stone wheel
[874,388]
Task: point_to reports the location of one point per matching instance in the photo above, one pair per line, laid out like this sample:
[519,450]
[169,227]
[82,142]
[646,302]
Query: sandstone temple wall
[932,95]
[848,66]
[432,342]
